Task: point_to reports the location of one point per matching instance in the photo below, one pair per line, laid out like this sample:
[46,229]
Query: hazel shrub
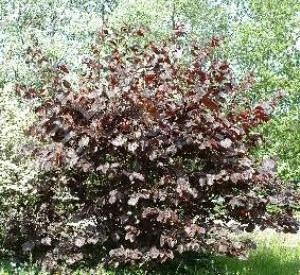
[146,158]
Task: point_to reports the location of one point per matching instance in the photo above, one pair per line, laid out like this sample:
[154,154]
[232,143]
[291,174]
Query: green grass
[276,254]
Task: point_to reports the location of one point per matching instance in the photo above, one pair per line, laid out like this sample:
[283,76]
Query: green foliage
[276,255]
[265,40]
[282,136]
[202,18]
[62,29]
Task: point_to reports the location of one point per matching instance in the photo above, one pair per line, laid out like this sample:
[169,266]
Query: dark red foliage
[152,150]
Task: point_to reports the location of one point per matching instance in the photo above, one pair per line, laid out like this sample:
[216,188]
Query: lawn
[276,254]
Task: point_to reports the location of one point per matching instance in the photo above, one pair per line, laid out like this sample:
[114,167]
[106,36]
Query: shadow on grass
[190,263]
[263,261]
[285,261]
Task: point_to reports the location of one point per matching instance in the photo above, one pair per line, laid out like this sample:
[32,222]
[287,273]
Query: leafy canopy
[146,158]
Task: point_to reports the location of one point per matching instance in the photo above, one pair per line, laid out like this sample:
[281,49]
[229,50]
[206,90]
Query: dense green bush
[146,158]
[265,40]
[282,135]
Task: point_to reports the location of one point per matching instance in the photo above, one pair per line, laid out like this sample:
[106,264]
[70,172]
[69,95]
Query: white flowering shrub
[16,170]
